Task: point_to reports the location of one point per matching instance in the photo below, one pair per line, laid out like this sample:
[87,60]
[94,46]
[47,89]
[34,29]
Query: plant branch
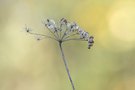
[70,36]
[64,34]
[42,35]
[79,39]
[66,65]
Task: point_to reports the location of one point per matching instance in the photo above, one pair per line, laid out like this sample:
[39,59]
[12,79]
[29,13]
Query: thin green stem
[53,34]
[66,65]
[64,34]
[60,30]
[70,36]
[79,39]
[42,35]
[57,34]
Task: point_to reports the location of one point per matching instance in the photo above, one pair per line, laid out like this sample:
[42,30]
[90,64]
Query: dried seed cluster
[65,31]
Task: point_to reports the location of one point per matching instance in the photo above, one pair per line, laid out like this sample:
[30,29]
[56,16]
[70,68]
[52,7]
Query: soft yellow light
[122,21]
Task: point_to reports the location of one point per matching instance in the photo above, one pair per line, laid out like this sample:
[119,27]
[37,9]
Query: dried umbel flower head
[63,32]
[71,31]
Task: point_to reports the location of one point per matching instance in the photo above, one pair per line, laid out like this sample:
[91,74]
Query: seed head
[71,32]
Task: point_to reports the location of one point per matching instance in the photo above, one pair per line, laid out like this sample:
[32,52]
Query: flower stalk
[66,65]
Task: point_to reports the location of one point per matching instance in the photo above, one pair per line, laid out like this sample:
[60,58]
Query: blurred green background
[26,64]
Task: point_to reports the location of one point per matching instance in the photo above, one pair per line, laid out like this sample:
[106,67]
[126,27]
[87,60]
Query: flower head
[71,32]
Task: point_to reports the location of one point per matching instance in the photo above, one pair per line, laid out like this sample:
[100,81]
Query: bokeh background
[27,64]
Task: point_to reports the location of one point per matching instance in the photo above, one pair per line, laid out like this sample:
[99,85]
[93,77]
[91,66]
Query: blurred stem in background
[66,65]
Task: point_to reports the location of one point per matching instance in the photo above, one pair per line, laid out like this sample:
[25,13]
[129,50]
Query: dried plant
[61,33]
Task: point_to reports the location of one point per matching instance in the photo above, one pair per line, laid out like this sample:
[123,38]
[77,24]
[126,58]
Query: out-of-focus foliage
[26,64]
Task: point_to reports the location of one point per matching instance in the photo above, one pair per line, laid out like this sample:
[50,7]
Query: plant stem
[42,35]
[66,65]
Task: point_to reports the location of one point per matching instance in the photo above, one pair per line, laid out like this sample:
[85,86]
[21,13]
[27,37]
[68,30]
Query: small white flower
[86,35]
[68,26]
[81,32]
[50,24]
[28,30]
[63,21]
[68,31]
[38,37]
[90,41]
[74,26]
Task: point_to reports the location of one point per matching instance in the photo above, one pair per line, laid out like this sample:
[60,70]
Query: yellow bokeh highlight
[122,21]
